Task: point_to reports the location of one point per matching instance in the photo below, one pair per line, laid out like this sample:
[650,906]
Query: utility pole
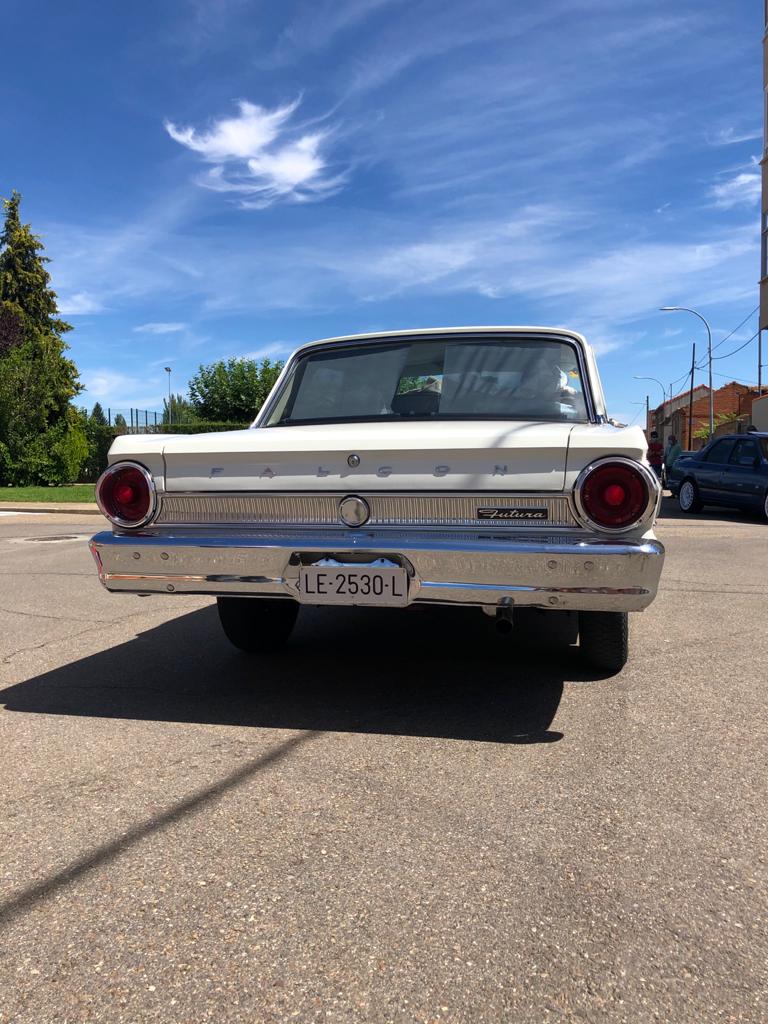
[690,400]
[647,415]
[687,309]
[760,362]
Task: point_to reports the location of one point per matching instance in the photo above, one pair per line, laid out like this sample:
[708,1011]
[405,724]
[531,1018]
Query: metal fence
[140,421]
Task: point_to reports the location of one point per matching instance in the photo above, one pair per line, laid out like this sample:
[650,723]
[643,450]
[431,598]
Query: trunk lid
[399,456]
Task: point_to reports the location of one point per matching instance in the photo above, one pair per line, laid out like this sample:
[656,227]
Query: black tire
[604,639]
[257,625]
[688,497]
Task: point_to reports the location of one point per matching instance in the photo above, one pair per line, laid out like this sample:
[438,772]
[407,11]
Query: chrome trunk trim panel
[387,510]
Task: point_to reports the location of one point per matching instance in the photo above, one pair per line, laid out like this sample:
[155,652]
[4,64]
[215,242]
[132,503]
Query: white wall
[760,413]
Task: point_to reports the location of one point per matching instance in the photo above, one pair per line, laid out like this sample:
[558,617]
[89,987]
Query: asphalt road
[405,817]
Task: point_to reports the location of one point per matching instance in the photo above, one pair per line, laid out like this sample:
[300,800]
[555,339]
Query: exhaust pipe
[504,620]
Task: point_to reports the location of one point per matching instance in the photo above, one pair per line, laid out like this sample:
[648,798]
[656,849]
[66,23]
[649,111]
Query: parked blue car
[731,470]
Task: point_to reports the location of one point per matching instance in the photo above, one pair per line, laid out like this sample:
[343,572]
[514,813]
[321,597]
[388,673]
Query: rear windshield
[441,379]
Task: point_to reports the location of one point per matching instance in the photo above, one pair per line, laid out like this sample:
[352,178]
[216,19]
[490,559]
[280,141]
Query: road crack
[41,615]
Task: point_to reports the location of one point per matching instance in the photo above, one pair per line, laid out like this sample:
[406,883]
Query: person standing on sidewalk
[672,452]
[656,454]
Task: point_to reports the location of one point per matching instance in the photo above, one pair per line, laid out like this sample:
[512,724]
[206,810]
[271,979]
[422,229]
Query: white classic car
[470,466]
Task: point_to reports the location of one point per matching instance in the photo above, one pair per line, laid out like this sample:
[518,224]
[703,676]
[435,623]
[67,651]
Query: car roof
[736,437]
[430,332]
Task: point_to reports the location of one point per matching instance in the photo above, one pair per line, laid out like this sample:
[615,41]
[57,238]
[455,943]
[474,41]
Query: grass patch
[74,492]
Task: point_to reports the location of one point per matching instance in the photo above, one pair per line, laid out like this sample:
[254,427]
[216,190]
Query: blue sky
[219,178]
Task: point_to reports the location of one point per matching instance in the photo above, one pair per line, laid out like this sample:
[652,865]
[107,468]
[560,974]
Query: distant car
[730,471]
[459,466]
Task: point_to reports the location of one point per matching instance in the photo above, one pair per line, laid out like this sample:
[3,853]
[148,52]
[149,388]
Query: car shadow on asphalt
[437,672]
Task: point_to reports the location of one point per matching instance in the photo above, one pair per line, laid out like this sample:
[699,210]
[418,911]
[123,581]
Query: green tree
[180,410]
[97,415]
[120,423]
[41,435]
[233,390]
[702,433]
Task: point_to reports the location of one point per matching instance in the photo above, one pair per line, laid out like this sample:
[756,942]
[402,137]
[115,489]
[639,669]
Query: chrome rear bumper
[577,571]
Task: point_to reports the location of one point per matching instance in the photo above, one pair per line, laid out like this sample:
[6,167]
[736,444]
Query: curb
[43,508]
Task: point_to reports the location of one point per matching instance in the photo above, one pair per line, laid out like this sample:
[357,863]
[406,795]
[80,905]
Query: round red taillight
[615,495]
[125,494]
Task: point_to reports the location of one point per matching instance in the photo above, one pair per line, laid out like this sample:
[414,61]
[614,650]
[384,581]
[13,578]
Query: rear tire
[257,625]
[604,639]
[688,497]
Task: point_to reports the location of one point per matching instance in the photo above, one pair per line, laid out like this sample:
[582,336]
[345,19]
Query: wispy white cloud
[743,189]
[120,391]
[276,350]
[520,188]
[235,138]
[256,157]
[442,112]
[160,328]
[563,269]
[316,24]
[404,43]
[541,261]
[100,383]
[78,304]
[730,136]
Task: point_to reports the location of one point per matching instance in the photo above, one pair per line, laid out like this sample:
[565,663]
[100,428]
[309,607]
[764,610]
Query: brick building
[671,417]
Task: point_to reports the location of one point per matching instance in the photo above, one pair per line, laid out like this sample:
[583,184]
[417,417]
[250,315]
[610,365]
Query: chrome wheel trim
[687,496]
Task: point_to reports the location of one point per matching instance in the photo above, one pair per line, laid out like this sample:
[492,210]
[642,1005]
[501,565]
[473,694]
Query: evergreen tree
[24,281]
[120,423]
[97,415]
[42,439]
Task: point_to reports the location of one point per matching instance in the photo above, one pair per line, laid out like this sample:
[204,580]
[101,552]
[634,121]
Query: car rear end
[553,513]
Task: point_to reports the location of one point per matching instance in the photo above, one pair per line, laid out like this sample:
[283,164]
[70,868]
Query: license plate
[353,584]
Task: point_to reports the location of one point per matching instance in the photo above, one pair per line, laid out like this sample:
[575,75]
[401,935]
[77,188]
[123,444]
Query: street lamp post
[656,380]
[685,309]
[168,371]
[663,392]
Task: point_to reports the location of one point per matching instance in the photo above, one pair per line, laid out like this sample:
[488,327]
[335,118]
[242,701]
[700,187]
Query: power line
[680,379]
[747,317]
[631,422]
[739,380]
[703,363]
[733,353]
